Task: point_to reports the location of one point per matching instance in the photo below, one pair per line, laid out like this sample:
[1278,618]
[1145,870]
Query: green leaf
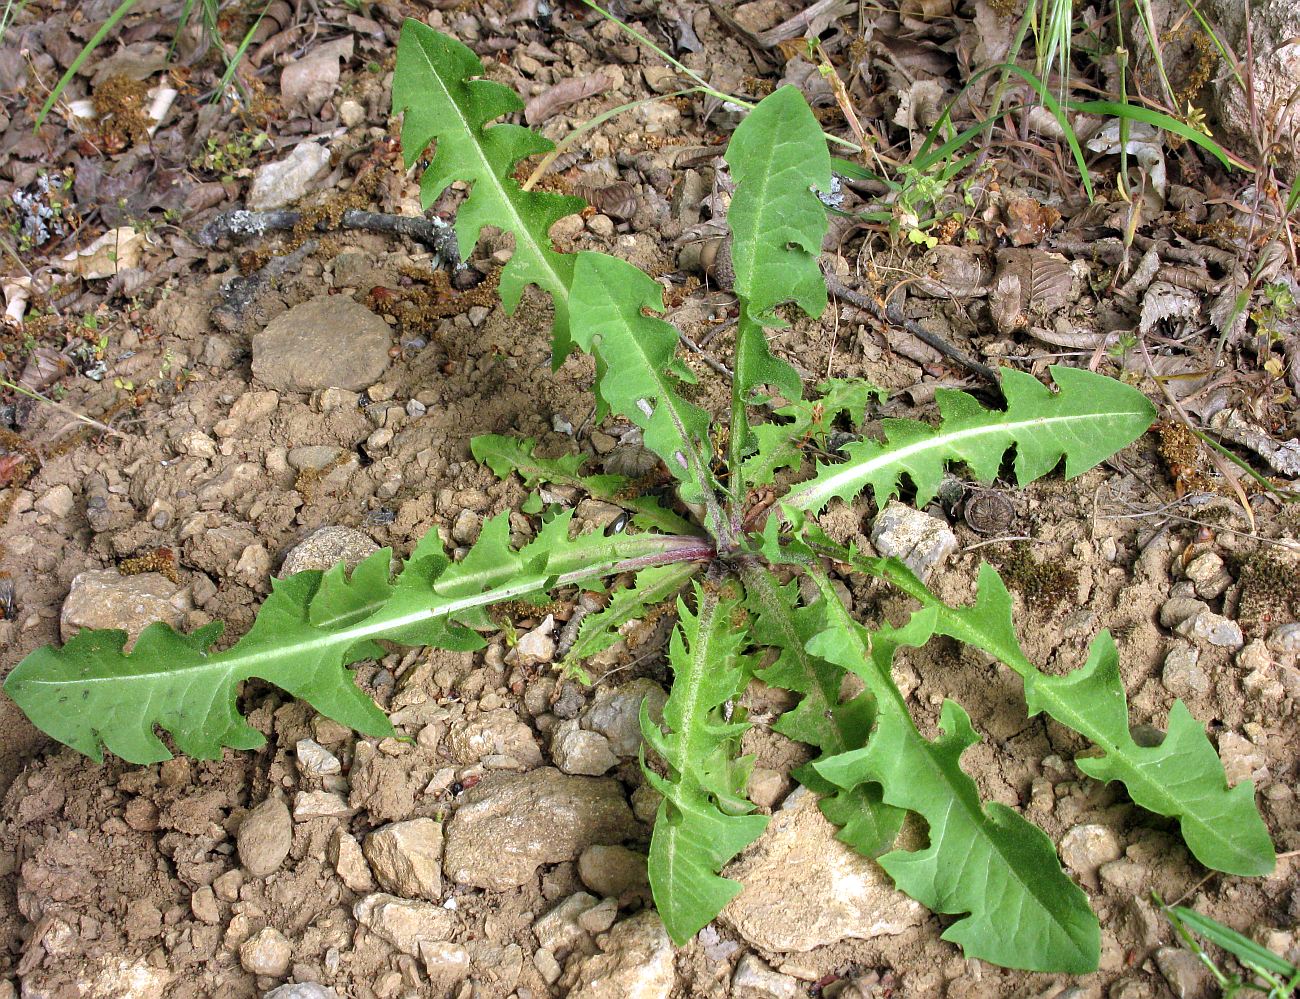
[778,444]
[1181,778]
[983,862]
[636,352]
[509,454]
[820,719]
[505,455]
[1087,421]
[90,693]
[702,822]
[600,629]
[777,157]
[435,86]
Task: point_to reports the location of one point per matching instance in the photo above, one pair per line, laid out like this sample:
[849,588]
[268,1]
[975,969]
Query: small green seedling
[727,561]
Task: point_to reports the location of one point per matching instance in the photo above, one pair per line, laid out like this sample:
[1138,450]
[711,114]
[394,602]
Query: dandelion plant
[728,563]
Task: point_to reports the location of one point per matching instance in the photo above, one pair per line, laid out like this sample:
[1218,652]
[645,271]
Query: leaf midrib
[980,819]
[819,489]
[522,232]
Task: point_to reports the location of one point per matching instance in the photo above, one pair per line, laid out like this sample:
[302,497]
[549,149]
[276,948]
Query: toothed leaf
[701,823]
[778,443]
[91,695]
[820,719]
[506,454]
[984,863]
[636,352]
[439,90]
[600,629]
[777,157]
[1181,778]
[1086,421]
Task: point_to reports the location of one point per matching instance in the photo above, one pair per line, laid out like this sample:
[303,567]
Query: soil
[121,880]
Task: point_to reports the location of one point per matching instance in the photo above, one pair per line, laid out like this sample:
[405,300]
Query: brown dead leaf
[116,250]
[555,99]
[308,83]
[1045,281]
[1163,301]
[1029,221]
[954,272]
[924,10]
[919,107]
[44,367]
[617,200]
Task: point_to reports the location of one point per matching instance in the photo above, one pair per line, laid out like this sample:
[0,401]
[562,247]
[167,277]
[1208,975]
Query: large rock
[267,953]
[806,889]
[326,342]
[102,598]
[509,825]
[616,713]
[1274,75]
[920,541]
[494,733]
[326,547]
[302,990]
[636,963]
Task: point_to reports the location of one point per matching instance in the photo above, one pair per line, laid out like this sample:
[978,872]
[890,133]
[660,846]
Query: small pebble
[315,760]
[264,838]
[267,953]
[537,646]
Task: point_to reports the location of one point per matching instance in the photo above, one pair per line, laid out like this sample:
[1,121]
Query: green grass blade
[96,40]
[1086,421]
[984,863]
[439,88]
[233,63]
[1158,119]
[703,820]
[1057,112]
[1249,953]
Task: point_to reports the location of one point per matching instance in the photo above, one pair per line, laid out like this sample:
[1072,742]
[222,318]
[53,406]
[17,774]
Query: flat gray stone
[264,838]
[326,547]
[509,825]
[918,540]
[406,857]
[285,181]
[636,963]
[805,889]
[302,990]
[406,923]
[103,598]
[326,342]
